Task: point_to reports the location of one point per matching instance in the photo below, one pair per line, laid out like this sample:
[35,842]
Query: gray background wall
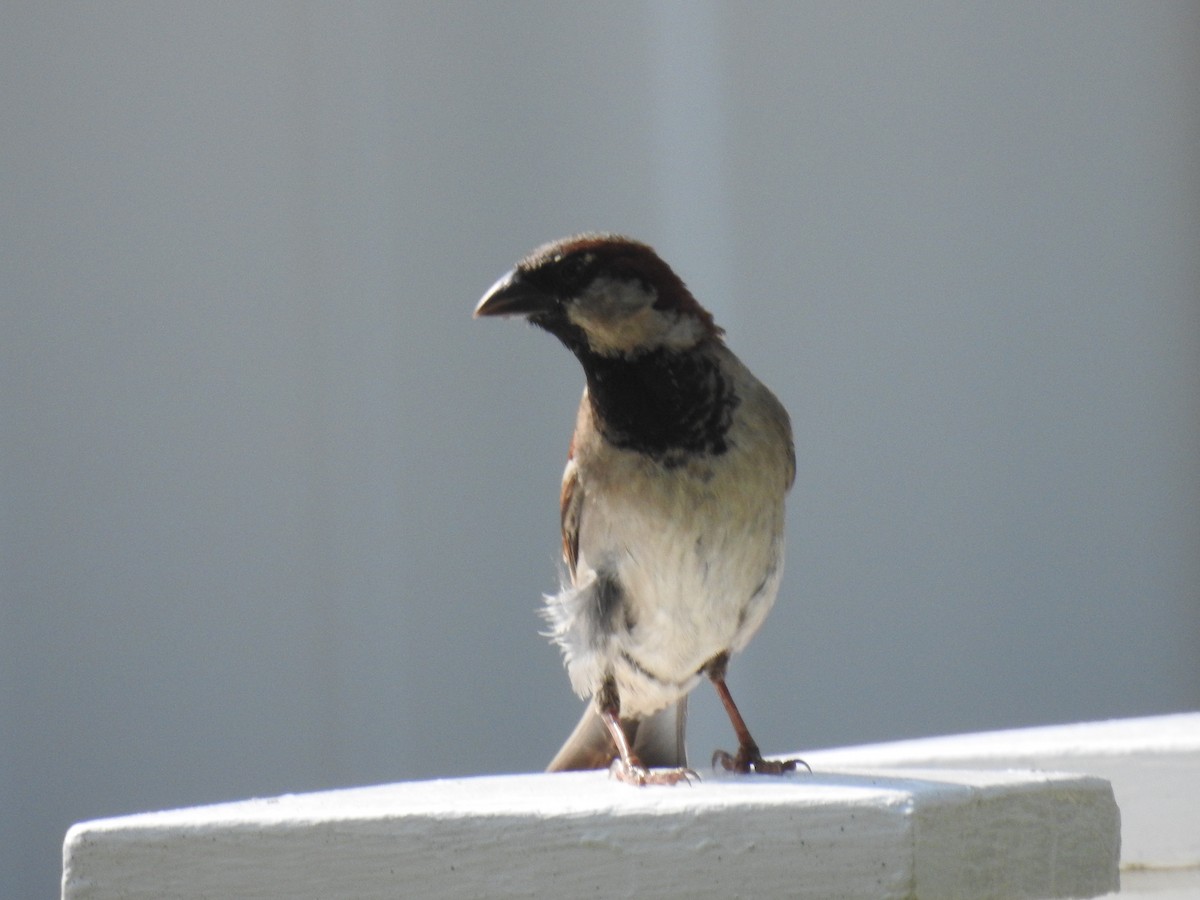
[276,514]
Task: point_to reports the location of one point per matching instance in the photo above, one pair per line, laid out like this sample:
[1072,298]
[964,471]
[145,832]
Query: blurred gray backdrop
[276,513]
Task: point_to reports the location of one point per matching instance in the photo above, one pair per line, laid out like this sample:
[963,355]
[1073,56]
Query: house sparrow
[672,502]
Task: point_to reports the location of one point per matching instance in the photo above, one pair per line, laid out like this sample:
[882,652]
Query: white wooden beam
[1153,764]
[901,833]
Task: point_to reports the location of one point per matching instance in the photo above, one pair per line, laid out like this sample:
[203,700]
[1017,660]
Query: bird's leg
[749,758]
[627,767]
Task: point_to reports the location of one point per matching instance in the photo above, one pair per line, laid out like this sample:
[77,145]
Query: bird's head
[603,295]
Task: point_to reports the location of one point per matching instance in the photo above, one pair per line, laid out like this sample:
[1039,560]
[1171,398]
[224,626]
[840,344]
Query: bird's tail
[657,741]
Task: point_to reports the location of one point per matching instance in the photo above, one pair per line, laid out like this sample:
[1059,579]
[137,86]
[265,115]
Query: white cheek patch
[684,332]
[619,316]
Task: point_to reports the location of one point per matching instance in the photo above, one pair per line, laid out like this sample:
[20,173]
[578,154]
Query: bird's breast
[695,548]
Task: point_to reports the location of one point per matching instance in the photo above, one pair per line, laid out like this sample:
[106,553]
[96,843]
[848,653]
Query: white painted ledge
[904,833]
[1153,764]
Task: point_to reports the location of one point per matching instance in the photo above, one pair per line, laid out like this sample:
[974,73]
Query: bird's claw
[639,775]
[750,761]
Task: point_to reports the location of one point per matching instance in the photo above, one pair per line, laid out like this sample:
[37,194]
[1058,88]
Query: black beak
[513,295]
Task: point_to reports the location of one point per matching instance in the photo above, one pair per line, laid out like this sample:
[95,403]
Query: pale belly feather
[697,556]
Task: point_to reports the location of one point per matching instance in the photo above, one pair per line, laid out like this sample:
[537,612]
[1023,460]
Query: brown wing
[570,504]
[784,424]
[791,478]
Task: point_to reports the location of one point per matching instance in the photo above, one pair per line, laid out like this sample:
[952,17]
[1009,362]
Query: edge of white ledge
[1153,764]
[1171,734]
[860,833]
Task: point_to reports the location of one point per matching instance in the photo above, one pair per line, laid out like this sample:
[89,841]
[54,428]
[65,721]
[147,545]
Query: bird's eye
[573,267]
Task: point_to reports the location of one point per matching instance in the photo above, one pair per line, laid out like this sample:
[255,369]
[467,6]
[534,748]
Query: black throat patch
[667,404]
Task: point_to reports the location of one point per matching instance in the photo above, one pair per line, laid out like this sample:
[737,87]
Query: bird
[672,503]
